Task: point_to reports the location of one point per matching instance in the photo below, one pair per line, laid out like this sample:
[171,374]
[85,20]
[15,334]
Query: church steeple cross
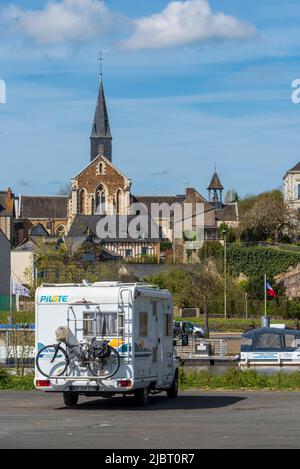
[100,58]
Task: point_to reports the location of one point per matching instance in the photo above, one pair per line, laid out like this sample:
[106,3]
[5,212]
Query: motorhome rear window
[143,324]
[105,324]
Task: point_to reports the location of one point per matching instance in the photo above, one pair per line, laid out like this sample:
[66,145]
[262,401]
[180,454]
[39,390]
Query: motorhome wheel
[70,399]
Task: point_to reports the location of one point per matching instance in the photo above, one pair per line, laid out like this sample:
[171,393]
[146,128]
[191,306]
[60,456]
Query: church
[100,190]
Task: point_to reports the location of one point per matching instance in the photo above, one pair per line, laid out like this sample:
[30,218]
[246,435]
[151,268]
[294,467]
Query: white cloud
[186,22]
[61,22]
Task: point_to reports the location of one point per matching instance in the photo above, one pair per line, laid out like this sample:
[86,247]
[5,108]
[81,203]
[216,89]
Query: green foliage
[230,232]
[57,263]
[257,260]
[147,259]
[16,383]
[177,282]
[19,317]
[294,309]
[212,250]
[235,378]
[165,246]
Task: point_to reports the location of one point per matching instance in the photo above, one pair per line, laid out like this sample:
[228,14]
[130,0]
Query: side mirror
[185,340]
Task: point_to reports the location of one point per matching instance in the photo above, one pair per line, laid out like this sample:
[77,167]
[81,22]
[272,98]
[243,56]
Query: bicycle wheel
[52,360]
[105,368]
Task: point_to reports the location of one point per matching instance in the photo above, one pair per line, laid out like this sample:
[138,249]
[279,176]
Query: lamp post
[225,273]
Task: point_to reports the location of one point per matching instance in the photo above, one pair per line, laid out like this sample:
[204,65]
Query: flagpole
[265,285]
[10,301]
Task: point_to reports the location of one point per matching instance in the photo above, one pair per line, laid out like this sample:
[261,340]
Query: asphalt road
[194,420]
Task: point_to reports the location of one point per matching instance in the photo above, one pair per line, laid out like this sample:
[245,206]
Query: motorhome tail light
[43,383]
[124,383]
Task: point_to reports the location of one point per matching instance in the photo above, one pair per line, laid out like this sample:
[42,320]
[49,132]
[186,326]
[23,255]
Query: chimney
[190,191]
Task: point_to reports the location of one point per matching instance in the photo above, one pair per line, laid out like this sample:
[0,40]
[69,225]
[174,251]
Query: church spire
[101,138]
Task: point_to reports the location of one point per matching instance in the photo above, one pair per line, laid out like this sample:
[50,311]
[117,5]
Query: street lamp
[225,272]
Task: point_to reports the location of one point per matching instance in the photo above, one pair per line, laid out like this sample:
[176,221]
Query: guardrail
[223,347]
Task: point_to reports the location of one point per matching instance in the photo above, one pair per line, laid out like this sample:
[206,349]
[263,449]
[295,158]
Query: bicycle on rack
[98,357]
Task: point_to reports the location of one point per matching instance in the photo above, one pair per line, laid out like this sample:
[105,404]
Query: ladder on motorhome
[125,323]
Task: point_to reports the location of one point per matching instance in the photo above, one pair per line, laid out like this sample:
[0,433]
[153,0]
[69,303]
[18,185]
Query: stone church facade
[100,190]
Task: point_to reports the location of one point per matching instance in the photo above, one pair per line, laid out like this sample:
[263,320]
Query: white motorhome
[136,321]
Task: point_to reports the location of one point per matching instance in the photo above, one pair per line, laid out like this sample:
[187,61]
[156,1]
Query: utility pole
[225,273]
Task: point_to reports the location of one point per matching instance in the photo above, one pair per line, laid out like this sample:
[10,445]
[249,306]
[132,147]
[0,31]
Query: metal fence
[223,347]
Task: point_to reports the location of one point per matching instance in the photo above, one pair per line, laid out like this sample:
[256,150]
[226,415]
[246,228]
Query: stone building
[292,186]
[5,266]
[99,189]
[40,216]
[290,280]
[7,213]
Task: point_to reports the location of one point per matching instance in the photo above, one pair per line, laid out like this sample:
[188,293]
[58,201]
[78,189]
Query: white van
[103,339]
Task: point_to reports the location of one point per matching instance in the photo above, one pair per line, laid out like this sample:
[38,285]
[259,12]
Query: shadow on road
[161,403]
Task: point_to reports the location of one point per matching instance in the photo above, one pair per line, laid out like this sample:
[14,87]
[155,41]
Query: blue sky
[189,85]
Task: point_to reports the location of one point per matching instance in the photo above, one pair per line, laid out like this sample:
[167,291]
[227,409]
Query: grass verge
[15,383]
[19,317]
[235,379]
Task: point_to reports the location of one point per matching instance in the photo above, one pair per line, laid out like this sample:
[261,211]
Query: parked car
[189,328]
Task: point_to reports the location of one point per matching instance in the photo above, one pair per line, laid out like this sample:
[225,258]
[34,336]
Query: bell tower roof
[215,183]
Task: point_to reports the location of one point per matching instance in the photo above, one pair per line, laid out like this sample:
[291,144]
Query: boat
[269,346]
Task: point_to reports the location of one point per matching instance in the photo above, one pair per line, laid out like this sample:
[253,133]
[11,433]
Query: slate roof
[44,207]
[215,183]
[295,168]
[84,224]
[148,200]
[101,127]
[191,196]
[32,243]
[227,213]
[39,230]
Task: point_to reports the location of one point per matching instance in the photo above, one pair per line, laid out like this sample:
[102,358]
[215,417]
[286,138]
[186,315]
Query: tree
[64,189]
[212,250]
[266,216]
[196,286]
[205,283]
[231,196]
[62,263]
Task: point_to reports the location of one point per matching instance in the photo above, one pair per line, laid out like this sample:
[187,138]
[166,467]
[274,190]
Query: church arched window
[61,231]
[119,201]
[101,168]
[100,200]
[92,205]
[82,202]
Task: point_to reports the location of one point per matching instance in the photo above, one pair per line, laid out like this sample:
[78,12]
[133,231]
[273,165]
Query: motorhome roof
[100,284]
